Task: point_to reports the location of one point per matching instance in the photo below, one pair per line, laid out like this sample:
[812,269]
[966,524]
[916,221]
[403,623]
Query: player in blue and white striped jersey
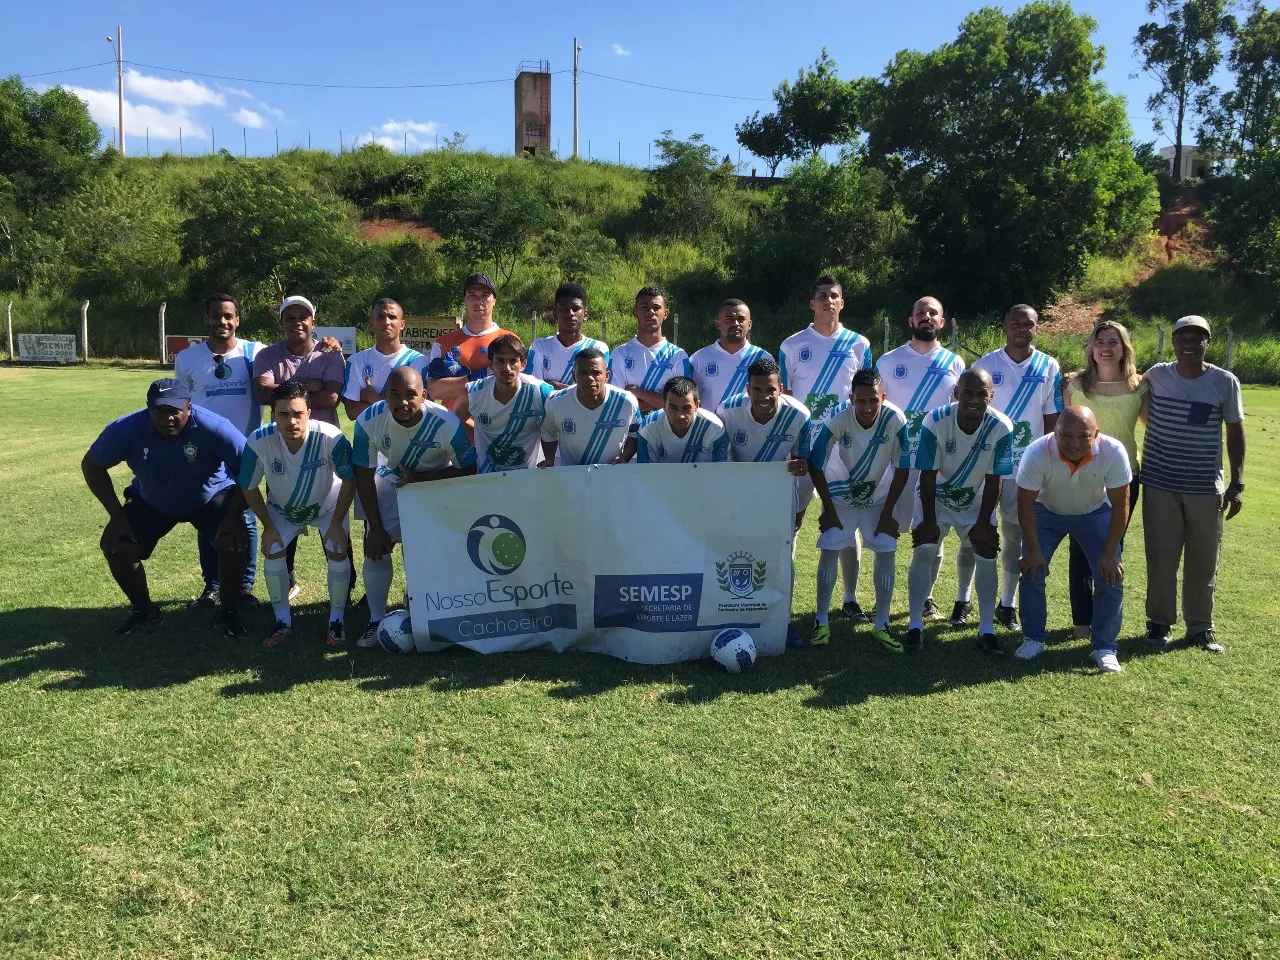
[682,431]
[964,451]
[643,365]
[310,482]
[551,358]
[720,369]
[365,379]
[869,437]
[592,421]
[420,440]
[507,408]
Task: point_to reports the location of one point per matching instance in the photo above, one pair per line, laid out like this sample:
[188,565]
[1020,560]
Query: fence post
[955,336]
[533,328]
[8,327]
[604,327]
[1159,343]
[886,333]
[164,352]
[84,329]
[675,329]
[1231,343]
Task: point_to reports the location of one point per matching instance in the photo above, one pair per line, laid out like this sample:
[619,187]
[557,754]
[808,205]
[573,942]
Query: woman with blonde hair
[1110,386]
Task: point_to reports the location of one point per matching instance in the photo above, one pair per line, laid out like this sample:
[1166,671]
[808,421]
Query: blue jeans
[1090,531]
[209,556]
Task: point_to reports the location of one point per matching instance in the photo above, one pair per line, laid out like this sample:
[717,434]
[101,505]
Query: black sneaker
[1206,641]
[248,600]
[139,620]
[228,624]
[853,611]
[931,611]
[960,613]
[990,643]
[915,639]
[1007,617]
[207,600]
[1157,636]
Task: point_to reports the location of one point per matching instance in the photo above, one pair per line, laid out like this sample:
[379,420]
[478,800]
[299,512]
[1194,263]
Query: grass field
[180,795]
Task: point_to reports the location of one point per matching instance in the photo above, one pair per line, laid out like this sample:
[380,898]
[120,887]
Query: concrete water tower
[533,108]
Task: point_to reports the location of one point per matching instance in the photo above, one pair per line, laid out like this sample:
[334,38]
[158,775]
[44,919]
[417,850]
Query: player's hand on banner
[544,464]
[329,345]
[924,532]
[1031,561]
[368,394]
[828,520]
[798,467]
[1233,499]
[376,543]
[888,524]
[1111,569]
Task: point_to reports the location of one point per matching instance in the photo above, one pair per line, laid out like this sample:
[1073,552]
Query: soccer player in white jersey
[682,431]
[218,374]
[420,441]
[551,358]
[644,364]
[367,370]
[310,483]
[919,376]
[1028,390]
[870,438]
[720,370]
[592,421]
[507,408]
[964,450]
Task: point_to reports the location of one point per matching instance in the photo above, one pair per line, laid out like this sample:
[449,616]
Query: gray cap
[1200,323]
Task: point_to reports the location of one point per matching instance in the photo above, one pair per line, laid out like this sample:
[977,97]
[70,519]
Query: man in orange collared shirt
[462,355]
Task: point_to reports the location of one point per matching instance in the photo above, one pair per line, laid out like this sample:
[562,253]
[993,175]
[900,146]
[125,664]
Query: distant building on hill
[1195,165]
[533,108]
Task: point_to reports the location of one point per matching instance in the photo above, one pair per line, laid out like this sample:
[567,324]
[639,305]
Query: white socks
[276,572]
[339,586]
[850,564]
[1010,553]
[377,586]
[885,573]
[828,560]
[924,561]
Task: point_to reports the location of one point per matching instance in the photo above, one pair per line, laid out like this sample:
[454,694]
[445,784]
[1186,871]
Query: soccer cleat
[853,611]
[335,635]
[794,640]
[931,611]
[370,636]
[960,613]
[139,620]
[1157,635]
[1206,640]
[1106,660]
[294,590]
[1029,649]
[887,639]
[229,624]
[821,634]
[248,600]
[990,643]
[915,639]
[279,635]
[1007,617]
[207,600]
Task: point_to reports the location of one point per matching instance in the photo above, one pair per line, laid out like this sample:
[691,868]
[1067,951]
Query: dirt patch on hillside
[1069,315]
[386,228]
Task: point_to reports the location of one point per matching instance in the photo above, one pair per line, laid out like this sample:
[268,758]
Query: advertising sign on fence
[47,347]
[175,345]
[344,335]
[645,563]
[421,332]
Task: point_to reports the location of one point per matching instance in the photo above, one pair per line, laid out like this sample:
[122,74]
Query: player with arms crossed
[919,376]
[367,371]
[421,441]
[965,450]
[720,370]
[551,358]
[310,483]
[870,438]
[507,409]
[643,365]
[592,421]
[682,431]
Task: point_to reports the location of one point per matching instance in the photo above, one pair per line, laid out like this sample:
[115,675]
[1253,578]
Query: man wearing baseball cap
[1184,496]
[184,460]
[299,357]
[462,355]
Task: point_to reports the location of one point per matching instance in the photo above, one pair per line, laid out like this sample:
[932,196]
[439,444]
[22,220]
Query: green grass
[178,795]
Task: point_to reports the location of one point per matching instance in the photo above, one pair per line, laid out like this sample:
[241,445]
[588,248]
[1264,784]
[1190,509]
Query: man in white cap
[1184,497]
[299,357]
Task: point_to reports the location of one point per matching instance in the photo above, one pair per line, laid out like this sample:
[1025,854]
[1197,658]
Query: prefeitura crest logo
[740,575]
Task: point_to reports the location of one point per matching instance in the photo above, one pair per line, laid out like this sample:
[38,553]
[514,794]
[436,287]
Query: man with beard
[551,358]
[720,369]
[643,365]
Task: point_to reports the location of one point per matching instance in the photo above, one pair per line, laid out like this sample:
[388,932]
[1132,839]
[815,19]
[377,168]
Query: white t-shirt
[1026,393]
[433,443]
[703,442]
[376,366]
[1068,492]
[549,359]
[649,368]
[304,485]
[590,436]
[916,383]
[869,454]
[508,435]
[721,375]
[226,388]
[964,460]
[784,436]
[818,370]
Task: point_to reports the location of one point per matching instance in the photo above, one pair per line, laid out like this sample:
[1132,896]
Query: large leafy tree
[1247,117]
[1014,162]
[688,190]
[767,137]
[815,110]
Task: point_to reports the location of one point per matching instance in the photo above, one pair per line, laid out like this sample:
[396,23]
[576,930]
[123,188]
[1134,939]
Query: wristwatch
[1238,484]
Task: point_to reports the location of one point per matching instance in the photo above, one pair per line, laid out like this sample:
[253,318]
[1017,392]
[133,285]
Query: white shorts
[961,523]
[1009,500]
[857,520]
[289,529]
[384,481]
[907,510]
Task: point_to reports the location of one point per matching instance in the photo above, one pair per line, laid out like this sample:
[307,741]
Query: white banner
[47,347]
[344,335]
[644,563]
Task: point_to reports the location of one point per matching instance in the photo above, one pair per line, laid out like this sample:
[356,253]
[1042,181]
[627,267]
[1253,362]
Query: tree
[1245,118]
[766,137]
[819,109]
[1181,50]
[1246,215]
[688,191]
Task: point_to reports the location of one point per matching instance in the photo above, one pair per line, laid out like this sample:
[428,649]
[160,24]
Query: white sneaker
[370,636]
[1029,649]
[1106,660]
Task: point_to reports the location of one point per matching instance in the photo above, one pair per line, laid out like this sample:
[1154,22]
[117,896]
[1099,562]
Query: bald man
[1074,482]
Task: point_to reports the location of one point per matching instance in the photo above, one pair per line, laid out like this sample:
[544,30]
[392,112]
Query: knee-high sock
[988,583]
[1010,553]
[377,585]
[850,566]
[965,558]
[919,581]
[935,569]
[828,561]
[339,587]
[276,572]
[885,573]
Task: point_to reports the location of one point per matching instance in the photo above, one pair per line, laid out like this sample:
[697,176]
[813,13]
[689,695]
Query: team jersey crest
[805,355]
[567,425]
[712,369]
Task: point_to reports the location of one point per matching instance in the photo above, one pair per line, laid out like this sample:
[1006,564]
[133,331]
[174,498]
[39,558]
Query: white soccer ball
[395,633]
[734,650]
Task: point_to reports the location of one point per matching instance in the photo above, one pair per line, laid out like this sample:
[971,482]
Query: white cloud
[429,129]
[179,93]
[248,118]
[397,134]
[620,51]
[140,119]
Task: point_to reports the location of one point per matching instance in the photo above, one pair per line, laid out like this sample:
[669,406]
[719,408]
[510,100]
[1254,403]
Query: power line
[654,86]
[326,86]
[87,66]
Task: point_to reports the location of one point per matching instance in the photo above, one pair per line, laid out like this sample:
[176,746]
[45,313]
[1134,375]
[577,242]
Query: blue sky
[741,50]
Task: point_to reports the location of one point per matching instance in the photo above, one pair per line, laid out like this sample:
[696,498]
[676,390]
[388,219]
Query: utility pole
[118,42]
[576,50]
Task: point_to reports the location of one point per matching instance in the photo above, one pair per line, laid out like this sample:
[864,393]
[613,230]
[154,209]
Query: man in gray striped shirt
[1184,498]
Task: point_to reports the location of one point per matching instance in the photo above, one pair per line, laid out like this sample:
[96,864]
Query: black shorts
[149,524]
